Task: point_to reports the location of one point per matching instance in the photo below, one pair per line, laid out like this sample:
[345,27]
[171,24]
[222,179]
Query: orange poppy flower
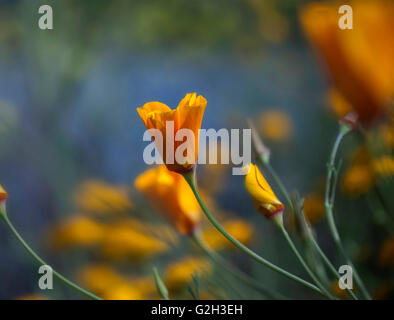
[171,194]
[359,60]
[188,115]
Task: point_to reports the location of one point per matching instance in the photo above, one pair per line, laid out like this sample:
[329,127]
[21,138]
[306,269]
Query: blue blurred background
[68,100]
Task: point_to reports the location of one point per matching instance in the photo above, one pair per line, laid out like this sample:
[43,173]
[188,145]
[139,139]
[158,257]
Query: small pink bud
[350,120]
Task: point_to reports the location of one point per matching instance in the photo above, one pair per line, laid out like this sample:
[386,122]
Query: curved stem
[278,181]
[42,262]
[216,258]
[311,238]
[302,261]
[160,286]
[329,205]
[190,178]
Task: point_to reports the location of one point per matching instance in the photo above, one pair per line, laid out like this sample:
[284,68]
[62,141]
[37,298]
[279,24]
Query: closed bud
[3,198]
[263,197]
[349,122]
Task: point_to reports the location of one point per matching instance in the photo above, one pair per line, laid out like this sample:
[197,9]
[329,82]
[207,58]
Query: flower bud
[349,122]
[3,198]
[263,197]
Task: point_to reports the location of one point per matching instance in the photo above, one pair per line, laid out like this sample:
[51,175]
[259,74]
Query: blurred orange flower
[108,283]
[239,229]
[384,166]
[178,274]
[360,60]
[99,197]
[358,179]
[314,209]
[146,285]
[76,231]
[387,135]
[123,241]
[338,104]
[172,196]
[122,291]
[99,277]
[188,115]
[264,198]
[275,125]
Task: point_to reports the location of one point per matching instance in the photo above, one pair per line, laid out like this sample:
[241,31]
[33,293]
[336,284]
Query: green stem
[302,261]
[331,267]
[217,259]
[160,286]
[190,179]
[42,262]
[285,194]
[329,192]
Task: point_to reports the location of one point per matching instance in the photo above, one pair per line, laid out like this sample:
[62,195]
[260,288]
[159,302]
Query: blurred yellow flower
[160,231]
[146,286]
[127,242]
[122,291]
[105,281]
[172,196]
[338,103]
[239,229]
[386,253]
[99,197]
[179,274]
[76,231]
[188,115]
[263,197]
[384,166]
[360,61]
[387,135]
[314,209]
[275,125]
[358,179]
[99,278]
